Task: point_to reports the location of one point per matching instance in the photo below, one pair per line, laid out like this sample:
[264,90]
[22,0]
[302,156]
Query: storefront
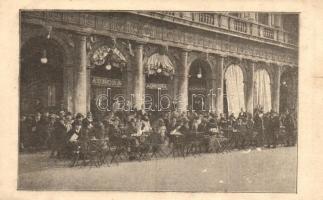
[159,89]
[108,80]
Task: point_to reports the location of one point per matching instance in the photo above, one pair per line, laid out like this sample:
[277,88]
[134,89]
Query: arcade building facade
[215,61]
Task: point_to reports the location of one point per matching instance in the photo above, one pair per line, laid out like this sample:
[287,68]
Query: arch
[99,42]
[60,38]
[159,64]
[235,90]
[199,84]
[193,58]
[204,64]
[41,79]
[269,69]
[158,60]
[262,89]
[171,54]
[238,62]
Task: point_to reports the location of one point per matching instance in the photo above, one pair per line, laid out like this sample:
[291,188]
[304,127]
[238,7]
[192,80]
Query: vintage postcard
[188,101]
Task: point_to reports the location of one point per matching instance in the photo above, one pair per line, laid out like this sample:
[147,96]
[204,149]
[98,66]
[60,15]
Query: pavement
[262,170]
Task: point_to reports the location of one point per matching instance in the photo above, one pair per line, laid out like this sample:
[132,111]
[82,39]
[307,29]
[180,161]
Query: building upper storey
[218,33]
[275,28]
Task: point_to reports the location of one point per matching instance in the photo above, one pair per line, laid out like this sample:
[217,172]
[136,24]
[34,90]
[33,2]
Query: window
[276,20]
[263,18]
[51,95]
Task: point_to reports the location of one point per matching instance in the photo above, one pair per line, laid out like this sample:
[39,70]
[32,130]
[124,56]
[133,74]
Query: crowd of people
[54,131]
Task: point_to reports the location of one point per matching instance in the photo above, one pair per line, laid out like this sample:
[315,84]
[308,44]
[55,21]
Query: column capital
[185,50]
[81,35]
[139,44]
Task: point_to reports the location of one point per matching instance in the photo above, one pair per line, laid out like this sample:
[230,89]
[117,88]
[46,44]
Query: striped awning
[158,63]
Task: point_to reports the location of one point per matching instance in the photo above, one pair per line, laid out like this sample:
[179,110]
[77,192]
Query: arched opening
[234,97]
[41,76]
[108,66]
[199,85]
[159,71]
[262,90]
[288,91]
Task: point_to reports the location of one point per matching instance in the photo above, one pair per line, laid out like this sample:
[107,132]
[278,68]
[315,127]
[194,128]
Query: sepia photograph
[158,101]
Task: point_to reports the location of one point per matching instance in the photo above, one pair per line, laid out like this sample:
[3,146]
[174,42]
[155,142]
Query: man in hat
[78,119]
[88,120]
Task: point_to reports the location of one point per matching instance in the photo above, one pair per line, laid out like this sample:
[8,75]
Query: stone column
[219,89]
[68,86]
[212,94]
[80,86]
[250,88]
[183,82]
[139,78]
[276,89]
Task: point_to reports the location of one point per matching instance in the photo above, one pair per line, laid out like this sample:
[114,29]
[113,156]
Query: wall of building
[138,38]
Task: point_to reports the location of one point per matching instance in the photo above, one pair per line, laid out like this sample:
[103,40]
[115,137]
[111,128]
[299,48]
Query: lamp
[284,83]
[159,70]
[44,59]
[108,66]
[199,75]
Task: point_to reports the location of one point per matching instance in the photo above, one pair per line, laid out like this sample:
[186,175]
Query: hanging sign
[101,81]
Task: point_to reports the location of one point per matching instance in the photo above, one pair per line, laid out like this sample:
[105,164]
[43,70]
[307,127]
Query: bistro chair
[155,143]
[118,148]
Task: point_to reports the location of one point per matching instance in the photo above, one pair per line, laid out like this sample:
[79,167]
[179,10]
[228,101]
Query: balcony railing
[168,13]
[227,22]
[268,33]
[206,18]
[240,26]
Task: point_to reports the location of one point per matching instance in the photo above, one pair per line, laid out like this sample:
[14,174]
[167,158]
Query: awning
[158,63]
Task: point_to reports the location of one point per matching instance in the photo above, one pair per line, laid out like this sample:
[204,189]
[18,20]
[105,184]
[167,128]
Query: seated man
[74,136]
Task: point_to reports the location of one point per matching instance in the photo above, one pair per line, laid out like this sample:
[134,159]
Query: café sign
[155,86]
[101,81]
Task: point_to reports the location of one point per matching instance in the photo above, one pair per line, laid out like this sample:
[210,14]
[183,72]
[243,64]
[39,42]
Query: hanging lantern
[44,59]
[199,75]
[159,70]
[108,67]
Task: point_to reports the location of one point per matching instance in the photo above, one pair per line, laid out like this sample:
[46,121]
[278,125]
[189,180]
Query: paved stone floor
[268,170]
